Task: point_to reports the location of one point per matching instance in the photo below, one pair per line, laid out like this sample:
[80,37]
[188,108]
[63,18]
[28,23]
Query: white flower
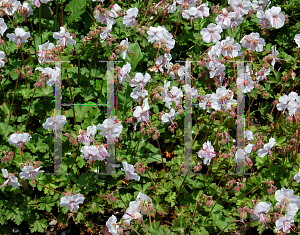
[45,49]
[64,37]
[211,33]
[297,177]
[138,94]
[28,172]
[263,74]
[110,129]
[203,8]
[153,32]
[164,61]
[245,80]
[260,210]
[72,202]
[2,57]
[259,4]
[92,153]
[18,140]
[241,7]
[207,152]
[124,48]
[248,135]
[129,170]
[112,225]
[10,6]
[284,100]
[19,37]
[263,20]
[253,42]
[294,106]
[129,19]
[115,10]
[297,39]
[286,197]
[140,80]
[267,148]
[168,117]
[123,73]
[192,92]
[141,113]
[284,223]
[222,99]
[276,18]
[27,10]
[129,214]
[145,201]
[104,35]
[12,180]
[192,13]
[50,74]
[36,3]
[229,48]
[205,102]
[3,26]
[55,122]
[224,19]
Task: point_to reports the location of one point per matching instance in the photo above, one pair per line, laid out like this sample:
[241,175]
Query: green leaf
[280,141]
[171,198]
[76,9]
[38,226]
[134,60]
[5,130]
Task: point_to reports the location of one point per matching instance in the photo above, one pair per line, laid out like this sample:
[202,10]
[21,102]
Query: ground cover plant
[204,133]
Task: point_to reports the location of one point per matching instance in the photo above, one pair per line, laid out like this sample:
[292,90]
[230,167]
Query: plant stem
[215,204]
[144,226]
[146,11]
[62,13]
[47,187]
[29,108]
[229,224]
[161,13]
[297,147]
[133,229]
[181,186]
[13,98]
[154,185]
[122,199]
[195,214]
[162,160]
[71,99]
[249,192]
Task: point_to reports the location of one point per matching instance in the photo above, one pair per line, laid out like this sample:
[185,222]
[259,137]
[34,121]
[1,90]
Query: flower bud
[3,159]
[138,217]
[270,190]
[114,199]
[120,230]
[236,189]
[243,215]
[266,65]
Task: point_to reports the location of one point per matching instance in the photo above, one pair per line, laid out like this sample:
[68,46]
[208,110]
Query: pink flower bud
[243,215]
[236,189]
[270,190]
[114,199]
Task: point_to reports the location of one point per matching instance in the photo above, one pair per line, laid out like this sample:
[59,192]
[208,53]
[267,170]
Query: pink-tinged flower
[144,202]
[129,19]
[2,57]
[153,33]
[55,122]
[253,42]
[19,140]
[3,26]
[259,4]
[123,73]
[10,6]
[224,19]
[222,99]
[12,180]
[112,225]
[28,172]
[174,95]
[110,129]
[91,153]
[140,80]
[163,61]
[245,79]
[286,197]
[267,148]
[276,18]
[132,209]
[129,170]
[37,3]
[19,37]
[86,137]
[63,37]
[45,52]
[275,53]
[124,48]
[115,10]
[104,35]
[192,14]
[263,20]
[297,39]
[192,92]
[229,48]
[72,202]
[297,177]
[168,117]
[207,152]
[211,33]
[241,7]
[26,9]
[262,74]
[142,112]
[166,38]
[285,223]
[203,8]
[48,74]
[260,210]
[206,102]
[138,94]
